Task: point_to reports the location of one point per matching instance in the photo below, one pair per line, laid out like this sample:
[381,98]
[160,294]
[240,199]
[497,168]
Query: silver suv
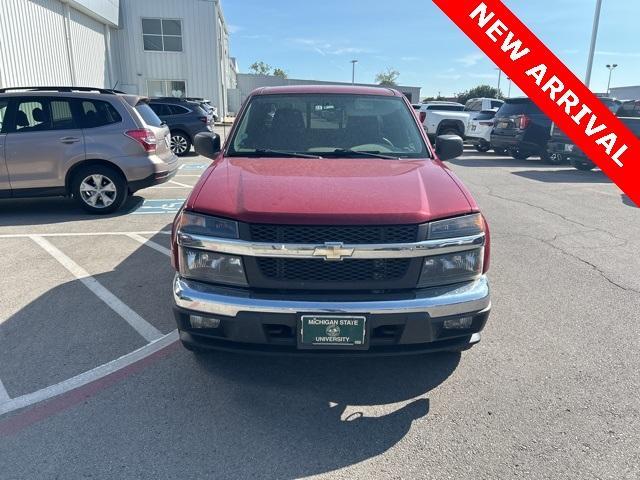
[95,145]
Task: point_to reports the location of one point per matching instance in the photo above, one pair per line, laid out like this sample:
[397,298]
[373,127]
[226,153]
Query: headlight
[465,226]
[197,224]
[212,267]
[451,268]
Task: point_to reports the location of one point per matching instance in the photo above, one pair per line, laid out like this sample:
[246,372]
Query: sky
[318,39]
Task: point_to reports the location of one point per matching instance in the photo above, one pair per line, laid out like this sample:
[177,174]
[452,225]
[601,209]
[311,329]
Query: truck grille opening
[333,272]
[353,234]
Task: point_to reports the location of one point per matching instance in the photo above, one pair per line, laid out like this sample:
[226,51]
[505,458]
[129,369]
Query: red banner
[552,86]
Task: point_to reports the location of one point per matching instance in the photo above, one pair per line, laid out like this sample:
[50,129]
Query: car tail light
[423,116]
[204,120]
[144,137]
[524,122]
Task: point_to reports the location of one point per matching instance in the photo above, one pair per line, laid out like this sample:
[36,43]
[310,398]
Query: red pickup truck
[328,224]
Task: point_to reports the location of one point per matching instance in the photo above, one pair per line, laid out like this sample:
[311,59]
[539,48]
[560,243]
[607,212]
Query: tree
[278,72]
[260,68]
[388,78]
[481,91]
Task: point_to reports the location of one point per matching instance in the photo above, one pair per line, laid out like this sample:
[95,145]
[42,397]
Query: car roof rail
[106,91]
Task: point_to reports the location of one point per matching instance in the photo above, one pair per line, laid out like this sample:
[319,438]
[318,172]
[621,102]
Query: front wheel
[99,189]
[180,143]
[500,151]
[519,155]
[483,148]
[584,167]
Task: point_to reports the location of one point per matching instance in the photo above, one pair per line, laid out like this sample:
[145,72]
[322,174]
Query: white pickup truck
[449,118]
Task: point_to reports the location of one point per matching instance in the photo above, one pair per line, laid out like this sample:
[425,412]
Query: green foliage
[481,91]
[388,78]
[260,68]
[278,72]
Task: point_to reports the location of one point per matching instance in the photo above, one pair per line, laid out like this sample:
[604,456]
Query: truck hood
[328,191]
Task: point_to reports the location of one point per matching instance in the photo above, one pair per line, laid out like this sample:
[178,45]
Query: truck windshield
[328,126]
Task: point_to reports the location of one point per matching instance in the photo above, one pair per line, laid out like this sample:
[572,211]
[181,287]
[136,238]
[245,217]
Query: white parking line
[4,395]
[180,184]
[149,243]
[139,324]
[89,376]
[81,234]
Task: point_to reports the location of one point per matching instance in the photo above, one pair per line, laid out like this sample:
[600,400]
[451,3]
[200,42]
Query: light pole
[499,79]
[509,93]
[353,71]
[594,38]
[611,69]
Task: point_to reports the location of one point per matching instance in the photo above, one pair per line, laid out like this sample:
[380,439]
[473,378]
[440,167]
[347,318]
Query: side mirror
[207,144]
[449,147]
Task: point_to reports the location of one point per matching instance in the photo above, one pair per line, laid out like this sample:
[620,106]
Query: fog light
[198,321]
[458,323]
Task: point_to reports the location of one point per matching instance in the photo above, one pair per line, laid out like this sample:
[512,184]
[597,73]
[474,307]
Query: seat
[362,130]
[22,120]
[40,117]
[287,130]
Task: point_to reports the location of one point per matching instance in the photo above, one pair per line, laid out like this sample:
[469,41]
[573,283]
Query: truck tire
[500,151]
[99,189]
[519,155]
[482,148]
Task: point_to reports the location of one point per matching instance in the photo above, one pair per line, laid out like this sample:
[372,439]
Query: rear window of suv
[148,115]
[518,108]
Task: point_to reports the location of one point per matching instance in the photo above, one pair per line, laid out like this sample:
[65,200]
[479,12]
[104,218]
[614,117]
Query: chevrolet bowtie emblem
[334,252]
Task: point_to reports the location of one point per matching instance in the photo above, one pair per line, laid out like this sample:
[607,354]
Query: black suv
[522,130]
[561,147]
[629,114]
[185,119]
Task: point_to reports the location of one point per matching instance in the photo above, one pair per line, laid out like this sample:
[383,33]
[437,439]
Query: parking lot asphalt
[94,385]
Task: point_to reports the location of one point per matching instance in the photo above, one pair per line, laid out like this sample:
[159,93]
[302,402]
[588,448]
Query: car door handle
[69,139]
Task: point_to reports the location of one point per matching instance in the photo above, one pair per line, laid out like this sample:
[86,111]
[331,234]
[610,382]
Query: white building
[626,93]
[147,47]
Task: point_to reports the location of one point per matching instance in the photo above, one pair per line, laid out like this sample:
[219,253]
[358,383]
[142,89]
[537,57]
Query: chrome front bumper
[437,302]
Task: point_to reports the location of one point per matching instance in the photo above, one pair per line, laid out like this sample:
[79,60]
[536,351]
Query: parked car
[560,147]
[629,114]
[521,129]
[453,118]
[207,105]
[479,131]
[347,236]
[94,145]
[184,118]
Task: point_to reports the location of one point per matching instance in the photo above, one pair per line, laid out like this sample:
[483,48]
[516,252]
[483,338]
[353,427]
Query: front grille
[353,234]
[380,270]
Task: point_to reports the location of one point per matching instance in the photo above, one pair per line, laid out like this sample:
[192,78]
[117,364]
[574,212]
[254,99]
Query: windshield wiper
[278,153]
[356,153]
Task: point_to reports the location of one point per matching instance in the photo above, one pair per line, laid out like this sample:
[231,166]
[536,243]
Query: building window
[162,35]
[166,88]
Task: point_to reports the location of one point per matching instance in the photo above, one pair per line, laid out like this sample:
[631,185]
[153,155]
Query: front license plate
[332,331]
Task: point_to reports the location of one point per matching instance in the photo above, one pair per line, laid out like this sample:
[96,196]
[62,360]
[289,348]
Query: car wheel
[180,143]
[483,148]
[500,151]
[99,189]
[519,155]
[584,167]
[449,131]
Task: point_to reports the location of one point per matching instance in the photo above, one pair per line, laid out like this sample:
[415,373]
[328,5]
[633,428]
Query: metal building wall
[35,45]
[198,64]
[32,43]
[89,51]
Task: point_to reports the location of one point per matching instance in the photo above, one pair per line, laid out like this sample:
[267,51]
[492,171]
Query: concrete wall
[249,82]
